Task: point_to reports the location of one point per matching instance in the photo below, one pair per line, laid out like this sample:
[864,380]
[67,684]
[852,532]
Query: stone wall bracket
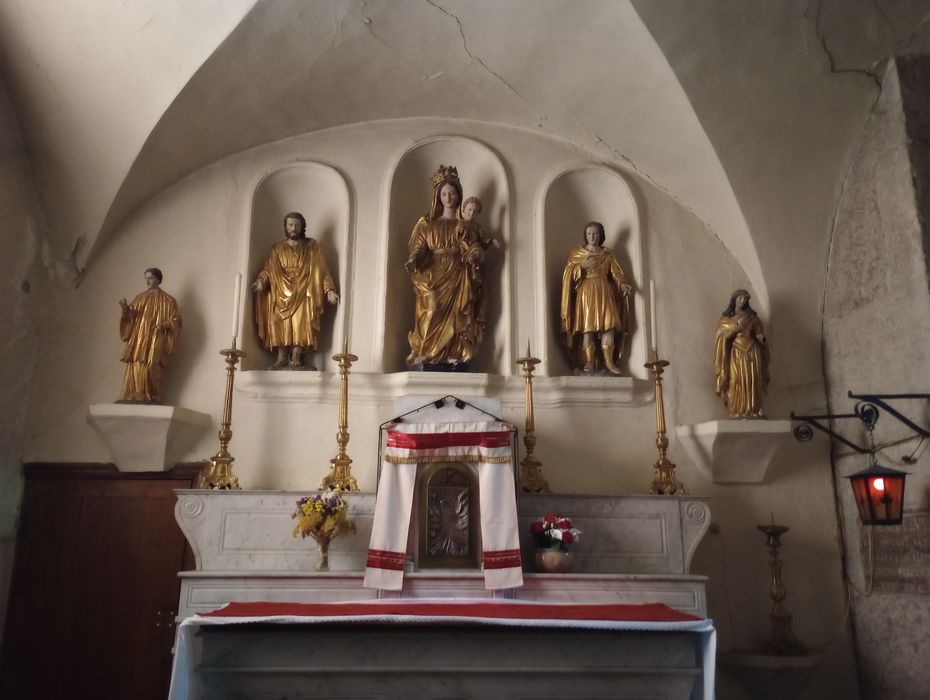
[143,437]
[734,451]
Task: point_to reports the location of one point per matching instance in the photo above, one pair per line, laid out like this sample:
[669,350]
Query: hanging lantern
[879,494]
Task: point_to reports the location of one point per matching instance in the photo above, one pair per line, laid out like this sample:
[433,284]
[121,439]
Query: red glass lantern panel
[879,494]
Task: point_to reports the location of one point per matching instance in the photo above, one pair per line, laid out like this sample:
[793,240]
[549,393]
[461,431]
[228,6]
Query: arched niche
[574,197]
[482,174]
[321,194]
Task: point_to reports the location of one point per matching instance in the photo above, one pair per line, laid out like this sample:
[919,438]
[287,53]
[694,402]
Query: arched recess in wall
[592,193]
[483,175]
[321,194]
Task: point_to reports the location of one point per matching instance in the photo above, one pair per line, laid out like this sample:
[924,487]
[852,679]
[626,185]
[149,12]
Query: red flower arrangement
[554,532]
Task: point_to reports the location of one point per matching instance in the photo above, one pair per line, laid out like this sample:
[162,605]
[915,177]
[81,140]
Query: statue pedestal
[734,451]
[770,677]
[144,438]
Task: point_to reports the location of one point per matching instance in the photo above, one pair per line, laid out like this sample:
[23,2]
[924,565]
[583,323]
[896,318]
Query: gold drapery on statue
[592,300]
[150,326]
[741,359]
[446,278]
[448,326]
[595,303]
[289,307]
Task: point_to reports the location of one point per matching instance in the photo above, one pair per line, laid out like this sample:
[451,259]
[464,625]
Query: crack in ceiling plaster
[480,62]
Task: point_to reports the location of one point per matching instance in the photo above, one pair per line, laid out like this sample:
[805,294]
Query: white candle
[235,320]
[652,318]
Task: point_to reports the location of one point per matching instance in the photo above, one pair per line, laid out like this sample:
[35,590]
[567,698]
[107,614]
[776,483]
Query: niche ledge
[370,387]
[734,451]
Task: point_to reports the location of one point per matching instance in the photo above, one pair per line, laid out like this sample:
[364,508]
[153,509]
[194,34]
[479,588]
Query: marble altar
[636,549]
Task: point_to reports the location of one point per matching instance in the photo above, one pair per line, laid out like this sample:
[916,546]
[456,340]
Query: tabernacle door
[448,523]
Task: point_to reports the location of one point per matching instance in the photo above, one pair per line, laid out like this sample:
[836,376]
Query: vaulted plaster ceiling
[746,111]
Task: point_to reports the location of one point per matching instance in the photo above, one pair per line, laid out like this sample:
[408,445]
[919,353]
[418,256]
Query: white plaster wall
[94,78]
[199,232]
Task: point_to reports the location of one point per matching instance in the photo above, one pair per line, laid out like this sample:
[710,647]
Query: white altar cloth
[185,684]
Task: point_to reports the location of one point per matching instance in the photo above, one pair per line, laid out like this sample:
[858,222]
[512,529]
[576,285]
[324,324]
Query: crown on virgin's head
[445,173]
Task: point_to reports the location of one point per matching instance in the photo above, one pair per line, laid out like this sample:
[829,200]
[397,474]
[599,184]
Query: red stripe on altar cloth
[649,612]
[384,559]
[502,559]
[432,441]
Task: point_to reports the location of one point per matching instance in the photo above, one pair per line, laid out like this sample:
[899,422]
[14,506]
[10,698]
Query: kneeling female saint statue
[150,327]
[445,269]
[289,295]
[595,303]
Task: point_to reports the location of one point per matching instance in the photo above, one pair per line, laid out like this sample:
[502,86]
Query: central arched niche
[574,197]
[482,175]
[320,193]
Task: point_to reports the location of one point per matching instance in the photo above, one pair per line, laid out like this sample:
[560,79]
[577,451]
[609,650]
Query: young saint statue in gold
[595,302]
[150,326]
[741,358]
[289,295]
[445,270]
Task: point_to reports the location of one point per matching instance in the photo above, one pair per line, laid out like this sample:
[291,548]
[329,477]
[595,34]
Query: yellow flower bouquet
[322,516]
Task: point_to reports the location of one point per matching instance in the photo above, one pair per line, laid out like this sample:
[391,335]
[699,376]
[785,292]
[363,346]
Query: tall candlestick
[219,475]
[783,641]
[235,318]
[665,482]
[531,478]
[652,319]
[340,470]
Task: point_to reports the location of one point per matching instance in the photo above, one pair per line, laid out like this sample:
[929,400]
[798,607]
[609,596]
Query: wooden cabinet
[95,586]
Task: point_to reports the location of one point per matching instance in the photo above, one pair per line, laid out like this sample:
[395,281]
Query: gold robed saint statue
[595,306]
[150,327]
[289,295]
[741,358]
[444,264]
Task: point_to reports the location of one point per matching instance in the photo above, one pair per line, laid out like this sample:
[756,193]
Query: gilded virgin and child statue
[446,252]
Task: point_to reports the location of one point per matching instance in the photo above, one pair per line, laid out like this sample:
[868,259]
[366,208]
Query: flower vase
[554,561]
[322,546]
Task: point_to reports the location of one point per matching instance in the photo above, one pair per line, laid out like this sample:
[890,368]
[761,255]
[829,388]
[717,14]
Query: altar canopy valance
[486,447]
[471,442]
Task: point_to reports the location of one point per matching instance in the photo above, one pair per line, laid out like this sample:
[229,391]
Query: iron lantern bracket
[867,409]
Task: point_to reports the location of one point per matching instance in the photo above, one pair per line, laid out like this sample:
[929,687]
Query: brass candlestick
[219,475]
[531,478]
[340,473]
[783,641]
[665,481]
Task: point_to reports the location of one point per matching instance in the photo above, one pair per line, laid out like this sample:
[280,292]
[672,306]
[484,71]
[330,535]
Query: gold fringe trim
[447,459]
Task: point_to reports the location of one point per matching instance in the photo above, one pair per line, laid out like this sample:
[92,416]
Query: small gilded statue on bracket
[741,358]
[289,295]
[150,327]
[446,251]
[595,306]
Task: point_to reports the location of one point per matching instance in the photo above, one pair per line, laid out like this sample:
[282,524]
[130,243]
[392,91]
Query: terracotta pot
[554,561]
